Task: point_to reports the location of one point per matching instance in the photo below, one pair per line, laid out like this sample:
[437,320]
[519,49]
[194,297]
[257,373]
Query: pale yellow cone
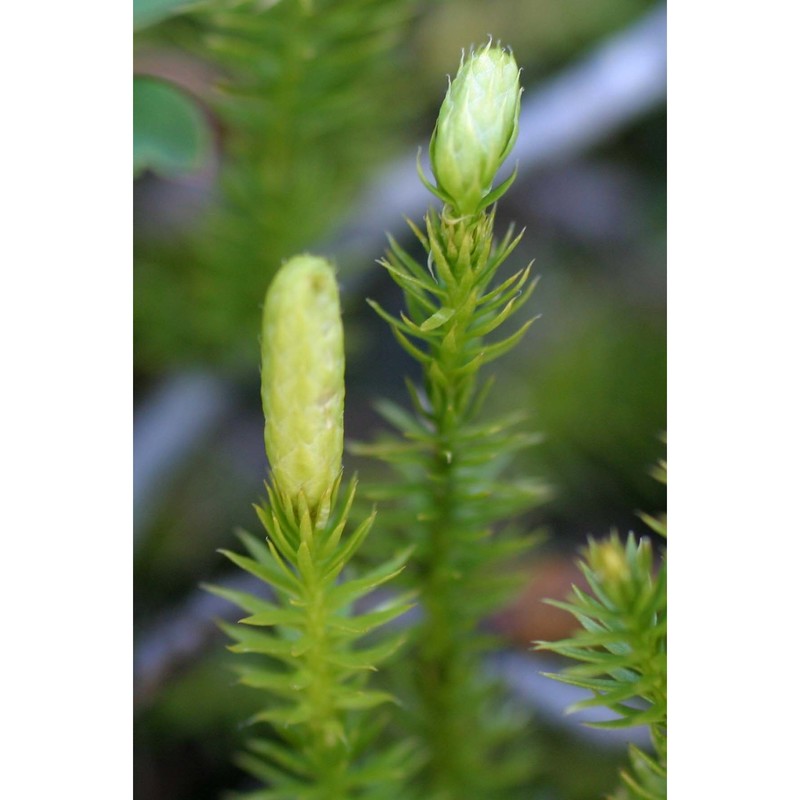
[302,378]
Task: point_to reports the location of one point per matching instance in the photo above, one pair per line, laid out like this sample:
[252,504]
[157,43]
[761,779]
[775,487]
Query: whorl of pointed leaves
[622,651]
[452,306]
[313,663]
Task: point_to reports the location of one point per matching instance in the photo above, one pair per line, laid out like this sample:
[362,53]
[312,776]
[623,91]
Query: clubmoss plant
[622,648]
[308,639]
[450,496]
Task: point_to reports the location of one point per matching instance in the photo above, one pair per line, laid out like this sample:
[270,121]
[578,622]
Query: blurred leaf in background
[170,133]
[149,12]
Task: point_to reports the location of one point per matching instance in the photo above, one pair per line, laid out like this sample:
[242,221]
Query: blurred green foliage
[601,399]
[309,100]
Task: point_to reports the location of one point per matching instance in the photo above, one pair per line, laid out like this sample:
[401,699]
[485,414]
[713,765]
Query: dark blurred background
[264,129]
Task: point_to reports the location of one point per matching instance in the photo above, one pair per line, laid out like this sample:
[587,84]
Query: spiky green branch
[622,649]
[313,662]
[450,497]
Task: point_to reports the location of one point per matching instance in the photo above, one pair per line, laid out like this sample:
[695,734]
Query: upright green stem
[441,650]
[326,725]
[446,653]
